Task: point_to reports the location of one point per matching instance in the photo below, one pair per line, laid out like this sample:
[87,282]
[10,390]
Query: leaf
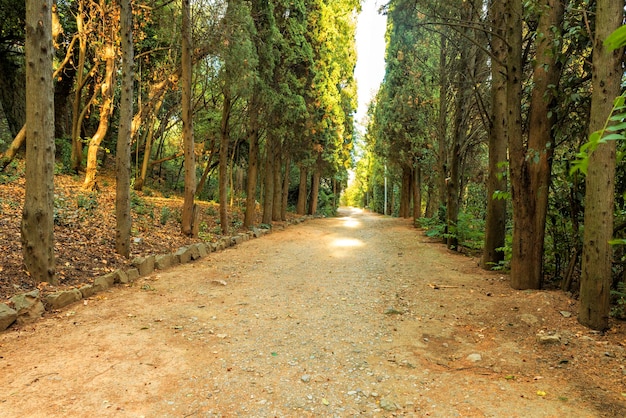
[325,401]
[541,393]
[616,39]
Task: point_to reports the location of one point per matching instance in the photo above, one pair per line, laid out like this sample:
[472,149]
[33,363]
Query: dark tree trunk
[302,190]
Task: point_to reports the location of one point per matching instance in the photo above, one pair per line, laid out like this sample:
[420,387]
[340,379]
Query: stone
[7,316]
[306,378]
[387,405]
[214,247]
[203,249]
[256,233]
[529,319]
[163,261]
[87,291]
[474,357]
[133,274]
[244,237]
[120,276]
[236,240]
[183,255]
[28,306]
[63,298]
[194,252]
[102,283]
[145,265]
[548,339]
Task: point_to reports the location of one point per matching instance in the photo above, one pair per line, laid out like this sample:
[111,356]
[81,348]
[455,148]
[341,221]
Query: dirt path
[357,315]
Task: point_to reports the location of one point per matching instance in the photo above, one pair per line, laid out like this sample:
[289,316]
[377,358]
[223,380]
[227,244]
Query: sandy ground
[358,315]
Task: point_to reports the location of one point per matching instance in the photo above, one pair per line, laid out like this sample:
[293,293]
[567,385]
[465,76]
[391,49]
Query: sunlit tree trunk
[106,111]
[81,79]
[122,192]
[595,281]
[188,215]
[37,228]
[140,179]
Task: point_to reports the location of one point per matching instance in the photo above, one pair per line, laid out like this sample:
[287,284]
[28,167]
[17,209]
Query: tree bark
[302,190]
[495,223]
[416,188]
[122,191]
[187,224]
[223,171]
[315,187]
[253,167]
[521,276]
[278,184]
[595,281]
[285,195]
[37,227]
[268,183]
[530,164]
[106,111]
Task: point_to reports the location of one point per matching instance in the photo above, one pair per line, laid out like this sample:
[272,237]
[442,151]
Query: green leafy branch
[614,128]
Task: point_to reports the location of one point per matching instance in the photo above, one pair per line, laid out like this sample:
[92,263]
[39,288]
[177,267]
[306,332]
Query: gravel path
[351,316]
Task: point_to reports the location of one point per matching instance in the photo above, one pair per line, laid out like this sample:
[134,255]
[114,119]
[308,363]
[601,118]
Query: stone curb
[29,307]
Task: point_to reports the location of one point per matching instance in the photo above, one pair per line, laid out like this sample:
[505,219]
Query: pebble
[306,378]
[474,357]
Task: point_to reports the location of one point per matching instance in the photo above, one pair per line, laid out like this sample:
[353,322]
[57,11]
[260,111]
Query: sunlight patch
[347,242]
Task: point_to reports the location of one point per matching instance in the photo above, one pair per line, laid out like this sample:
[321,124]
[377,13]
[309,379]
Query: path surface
[358,315]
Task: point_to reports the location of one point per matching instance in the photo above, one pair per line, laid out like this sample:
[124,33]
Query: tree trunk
[302,190]
[286,181]
[315,188]
[14,147]
[495,224]
[405,192]
[187,223]
[106,110]
[278,189]
[268,177]
[416,188]
[223,172]
[530,164]
[435,201]
[253,168]
[37,228]
[140,180]
[595,281]
[523,273]
[122,192]
[81,79]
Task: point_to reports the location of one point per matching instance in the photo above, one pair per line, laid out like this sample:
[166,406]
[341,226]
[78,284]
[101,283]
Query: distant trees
[490,102]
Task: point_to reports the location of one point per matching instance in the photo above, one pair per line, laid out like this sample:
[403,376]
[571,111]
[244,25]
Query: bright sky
[370,44]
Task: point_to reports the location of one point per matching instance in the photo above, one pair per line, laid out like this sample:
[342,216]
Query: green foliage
[11,173]
[140,206]
[87,201]
[618,310]
[166,214]
[63,150]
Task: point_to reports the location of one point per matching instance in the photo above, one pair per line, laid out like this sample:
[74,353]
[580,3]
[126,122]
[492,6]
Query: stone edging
[29,307]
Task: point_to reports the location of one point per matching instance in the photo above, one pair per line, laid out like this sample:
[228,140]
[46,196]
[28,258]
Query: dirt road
[358,315]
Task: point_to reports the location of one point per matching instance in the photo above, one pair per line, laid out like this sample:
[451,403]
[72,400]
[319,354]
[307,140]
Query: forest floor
[358,315]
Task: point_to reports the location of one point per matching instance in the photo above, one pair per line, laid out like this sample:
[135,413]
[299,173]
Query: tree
[595,283]
[187,223]
[495,223]
[37,218]
[122,195]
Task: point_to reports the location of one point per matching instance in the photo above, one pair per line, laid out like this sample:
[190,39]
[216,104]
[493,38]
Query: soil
[358,315]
